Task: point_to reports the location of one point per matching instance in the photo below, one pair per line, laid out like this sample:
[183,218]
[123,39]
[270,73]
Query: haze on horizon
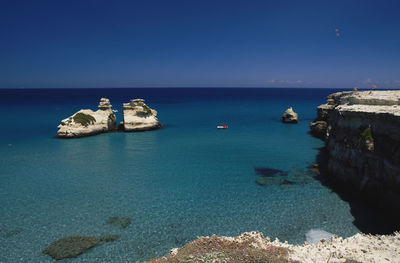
[220,43]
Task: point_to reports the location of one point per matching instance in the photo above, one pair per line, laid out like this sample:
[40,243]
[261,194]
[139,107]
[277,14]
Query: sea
[185,180]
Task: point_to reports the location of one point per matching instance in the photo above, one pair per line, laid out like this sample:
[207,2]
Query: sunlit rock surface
[87,122]
[139,117]
[289,116]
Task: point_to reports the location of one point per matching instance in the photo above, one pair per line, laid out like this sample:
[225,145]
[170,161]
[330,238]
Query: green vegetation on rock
[84,119]
[366,134]
[146,109]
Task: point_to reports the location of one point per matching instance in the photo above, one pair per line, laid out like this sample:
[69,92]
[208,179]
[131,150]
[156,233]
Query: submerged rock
[289,116]
[266,181]
[121,222]
[295,176]
[88,122]
[109,238]
[139,117]
[267,172]
[70,247]
[12,233]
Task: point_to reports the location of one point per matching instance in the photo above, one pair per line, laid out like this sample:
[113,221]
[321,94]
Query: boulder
[88,122]
[289,116]
[139,117]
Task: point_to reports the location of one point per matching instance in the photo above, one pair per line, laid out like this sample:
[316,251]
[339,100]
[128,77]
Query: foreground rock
[254,247]
[88,122]
[362,135]
[249,247]
[139,117]
[70,246]
[289,116]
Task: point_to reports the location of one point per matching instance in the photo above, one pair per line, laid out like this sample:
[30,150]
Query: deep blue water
[177,183]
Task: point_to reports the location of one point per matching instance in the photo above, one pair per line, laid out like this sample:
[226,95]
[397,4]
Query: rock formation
[139,117]
[88,122]
[254,247]
[362,134]
[289,116]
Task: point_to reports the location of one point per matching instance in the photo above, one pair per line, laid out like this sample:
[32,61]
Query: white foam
[315,235]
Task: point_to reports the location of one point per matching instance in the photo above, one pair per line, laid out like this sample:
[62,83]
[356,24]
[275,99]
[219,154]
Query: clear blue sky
[199,43]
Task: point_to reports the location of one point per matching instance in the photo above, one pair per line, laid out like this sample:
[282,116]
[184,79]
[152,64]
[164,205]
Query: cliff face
[362,134]
[88,122]
[139,117]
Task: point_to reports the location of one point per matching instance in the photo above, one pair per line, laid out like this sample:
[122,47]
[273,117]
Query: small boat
[114,111]
[222,126]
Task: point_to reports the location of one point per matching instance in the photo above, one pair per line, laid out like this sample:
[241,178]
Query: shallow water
[183,181]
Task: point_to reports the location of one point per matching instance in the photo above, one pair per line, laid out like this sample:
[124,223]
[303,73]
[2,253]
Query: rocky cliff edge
[361,130]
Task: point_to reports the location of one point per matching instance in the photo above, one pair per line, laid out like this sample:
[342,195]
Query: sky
[199,43]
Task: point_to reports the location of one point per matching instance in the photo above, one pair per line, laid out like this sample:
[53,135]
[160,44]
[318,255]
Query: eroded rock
[289,116]
[139,117]
[88,122]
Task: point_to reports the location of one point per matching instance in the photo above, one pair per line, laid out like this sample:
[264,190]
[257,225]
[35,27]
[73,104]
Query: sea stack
[361,130]
[139,117]
[87,122]
[289,116]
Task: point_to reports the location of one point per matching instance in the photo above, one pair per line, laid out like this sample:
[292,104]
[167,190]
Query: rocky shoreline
[254,247]
[137,117]
[361,130]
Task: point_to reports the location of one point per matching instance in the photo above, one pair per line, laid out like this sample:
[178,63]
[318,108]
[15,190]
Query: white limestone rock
[289,116]
[87,122]
[139,117]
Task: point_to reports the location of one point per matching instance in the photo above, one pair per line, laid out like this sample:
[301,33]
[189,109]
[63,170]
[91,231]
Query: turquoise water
[183,181]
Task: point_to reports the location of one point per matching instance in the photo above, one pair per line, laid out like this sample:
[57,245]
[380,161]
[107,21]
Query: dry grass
[216,249]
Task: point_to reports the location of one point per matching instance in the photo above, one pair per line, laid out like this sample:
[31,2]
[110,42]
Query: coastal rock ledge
[139,117]
[87,122]
[361,130]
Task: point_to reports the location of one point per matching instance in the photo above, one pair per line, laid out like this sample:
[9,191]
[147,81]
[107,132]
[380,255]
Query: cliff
[361,130]
[139,117]
[88,122]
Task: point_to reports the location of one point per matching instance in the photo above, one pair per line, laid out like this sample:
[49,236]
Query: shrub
[214,249]
[84,119]
[366,134]
[146,109]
